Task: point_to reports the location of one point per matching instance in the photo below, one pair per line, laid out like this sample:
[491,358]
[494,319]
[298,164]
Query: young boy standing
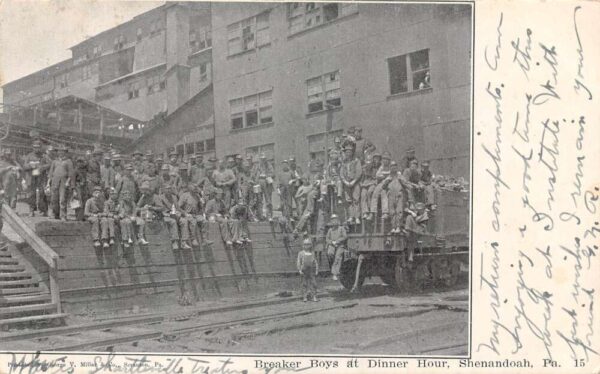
[308,269]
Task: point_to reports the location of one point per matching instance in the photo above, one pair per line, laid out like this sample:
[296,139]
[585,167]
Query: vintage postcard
[325,187]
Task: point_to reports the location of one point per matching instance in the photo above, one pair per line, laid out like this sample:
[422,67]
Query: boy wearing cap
[416,224]
[107,174]
[412,177]
[61,177]
[396,199]
[188,223]
[35,166]
[93,212]
[336,245]
[351,174]
[111,211]
[168,208]
[309,269]
[224,179]
[127,218]
[380,192]
[264,174]
[128,183]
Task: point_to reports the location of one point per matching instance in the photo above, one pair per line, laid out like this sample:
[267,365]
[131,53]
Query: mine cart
[408,261]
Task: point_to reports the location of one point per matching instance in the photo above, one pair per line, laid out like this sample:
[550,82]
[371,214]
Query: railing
[39,246]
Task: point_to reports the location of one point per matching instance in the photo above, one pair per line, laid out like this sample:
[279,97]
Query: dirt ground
[378,320]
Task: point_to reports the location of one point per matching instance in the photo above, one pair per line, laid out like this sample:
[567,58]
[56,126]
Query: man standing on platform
[94,175]
[284,179]
[107,175]
[35,166]
[60,180]
[225,180]
[264,174]
[128,183]
[350,175]
[148,160]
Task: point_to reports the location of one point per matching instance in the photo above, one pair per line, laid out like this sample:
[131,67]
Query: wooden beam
[25,232]
[80,117]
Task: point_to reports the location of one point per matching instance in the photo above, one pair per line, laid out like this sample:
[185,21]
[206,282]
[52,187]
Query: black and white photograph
[239,178]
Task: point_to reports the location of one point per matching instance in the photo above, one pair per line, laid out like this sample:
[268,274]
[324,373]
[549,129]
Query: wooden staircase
[24,298]
[27,299]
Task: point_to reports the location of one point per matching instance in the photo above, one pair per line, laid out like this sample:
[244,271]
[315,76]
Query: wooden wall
[108,280]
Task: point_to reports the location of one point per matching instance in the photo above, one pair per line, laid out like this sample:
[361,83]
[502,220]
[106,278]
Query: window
[189,148]
[119,42]
[155,84]
[139,34]
[97,51]
[199,40]
[248,34]
[267,149]
[303,16]
[63,81]
[251,110]
[409,72]
[323,91]
[199,147]
[210,145]
[134,90]
[203,73]
[179,149]
[87,71]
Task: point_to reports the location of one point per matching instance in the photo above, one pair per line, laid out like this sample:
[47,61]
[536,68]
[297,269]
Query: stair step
[44,317]
[8,261]
[19,291]
[16,274]
[20,282]
[5,255]
[7,268]
[26,308]
[24,299]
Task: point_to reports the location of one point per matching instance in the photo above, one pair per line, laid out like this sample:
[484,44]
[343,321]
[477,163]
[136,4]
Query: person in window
[426,82]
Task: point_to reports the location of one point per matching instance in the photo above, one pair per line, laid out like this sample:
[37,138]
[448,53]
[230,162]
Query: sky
[37,33]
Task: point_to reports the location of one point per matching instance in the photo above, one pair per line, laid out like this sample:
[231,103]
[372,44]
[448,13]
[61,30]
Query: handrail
[39,246]
[25,232]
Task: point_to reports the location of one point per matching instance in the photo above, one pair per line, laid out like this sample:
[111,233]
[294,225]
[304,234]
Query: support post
[79,117]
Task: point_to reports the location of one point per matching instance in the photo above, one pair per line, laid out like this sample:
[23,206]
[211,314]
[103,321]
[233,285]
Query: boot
[142,241]
[111,241]
[175,245]
[195,243]
[96,243]
[185,245]
[105,245]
